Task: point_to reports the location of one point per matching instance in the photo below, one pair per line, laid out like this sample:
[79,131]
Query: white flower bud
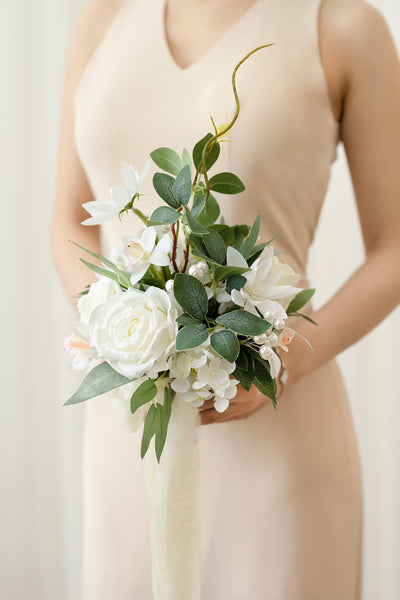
[193,270]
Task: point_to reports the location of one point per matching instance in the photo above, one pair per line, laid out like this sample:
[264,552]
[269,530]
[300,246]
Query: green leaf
[197,254]
[194,224]
[244,378]
[186,160]
[191,295]
[226,183]
[99,380]
[243,322]
[215,246]
[161,431]
[300,300]
[150,427]
[110,274]
[197,242]
[198,205]
[163,185]
[107,263]
[153,281]
[242,362]
[235,282]
[264,382]
[182,188]
[210,212]
[191,337]
[167,159]
[164,214]
[169,395]
[225,272]
[226,344]
[144,394]
[306,317]
[248,245]
[187,320]
[198,151]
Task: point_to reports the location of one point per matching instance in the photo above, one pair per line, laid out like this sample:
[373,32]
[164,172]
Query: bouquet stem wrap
[172,492]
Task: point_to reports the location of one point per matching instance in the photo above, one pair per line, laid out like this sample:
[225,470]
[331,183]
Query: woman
[281,491]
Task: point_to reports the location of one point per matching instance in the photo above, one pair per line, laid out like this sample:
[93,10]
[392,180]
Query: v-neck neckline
[214,46]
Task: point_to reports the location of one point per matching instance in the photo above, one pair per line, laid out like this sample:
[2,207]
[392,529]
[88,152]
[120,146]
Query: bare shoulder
[90,28]
[355,40]
[354,33]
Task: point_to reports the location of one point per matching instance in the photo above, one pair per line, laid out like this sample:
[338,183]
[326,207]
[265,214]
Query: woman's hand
[241,406]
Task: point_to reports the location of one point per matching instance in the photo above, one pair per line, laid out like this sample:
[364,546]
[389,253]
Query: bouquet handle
[172,492]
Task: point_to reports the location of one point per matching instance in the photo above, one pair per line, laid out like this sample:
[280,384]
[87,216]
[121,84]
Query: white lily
[268,287]
[142,251]
[120,196]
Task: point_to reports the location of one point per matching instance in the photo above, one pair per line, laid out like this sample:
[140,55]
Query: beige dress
[281,505]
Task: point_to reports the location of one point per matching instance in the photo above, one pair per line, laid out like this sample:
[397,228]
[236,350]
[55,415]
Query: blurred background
[40,441]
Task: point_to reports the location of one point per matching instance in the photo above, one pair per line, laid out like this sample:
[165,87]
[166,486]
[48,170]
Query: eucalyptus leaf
[243,322]
[143,394]
[198,205]
[194,224]
[226,183]
[186,319]
[163,185]
[198,152]
[215,246]
[235,282]
[225,272]
[190,337]
[101,379]
[164,214]
[300,300]
[202,256]
[226,344]
[191,295]
[186,159]
[182,187]
[248,245]
[167,159]
[210,212]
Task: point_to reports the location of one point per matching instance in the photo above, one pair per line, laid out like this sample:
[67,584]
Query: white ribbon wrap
[172,492]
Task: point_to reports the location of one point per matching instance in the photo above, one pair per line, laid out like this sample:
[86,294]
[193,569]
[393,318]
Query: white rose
[98,293]
[135,331]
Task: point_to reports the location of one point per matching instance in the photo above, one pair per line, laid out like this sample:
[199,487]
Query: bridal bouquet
[182,312]
[188,305]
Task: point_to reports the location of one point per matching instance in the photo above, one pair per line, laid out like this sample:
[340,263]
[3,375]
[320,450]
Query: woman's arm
[363,75]
[72,187]
[358,44]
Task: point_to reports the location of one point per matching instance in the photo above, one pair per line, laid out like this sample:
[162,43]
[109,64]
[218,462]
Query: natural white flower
[120,196]
[269,286]
[142,251]
[215,376]
[135,331]
[77,345]
[98,293]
